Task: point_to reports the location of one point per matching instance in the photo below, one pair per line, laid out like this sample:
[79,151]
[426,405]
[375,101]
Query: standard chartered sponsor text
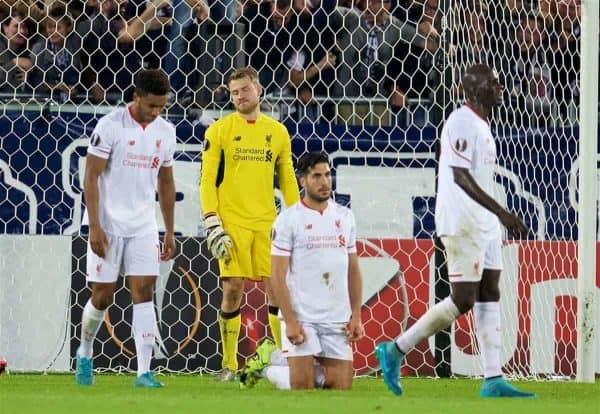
[249,154]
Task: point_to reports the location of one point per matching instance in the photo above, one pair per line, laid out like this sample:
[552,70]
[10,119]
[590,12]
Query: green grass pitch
[114,394]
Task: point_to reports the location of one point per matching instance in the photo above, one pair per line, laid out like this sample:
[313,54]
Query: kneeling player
[317,282]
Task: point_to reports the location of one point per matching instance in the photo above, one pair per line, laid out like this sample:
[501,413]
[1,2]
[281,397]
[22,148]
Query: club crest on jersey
[268,140]
[95,140]
[158,142]
[132,142]
[461,145]
[338,224]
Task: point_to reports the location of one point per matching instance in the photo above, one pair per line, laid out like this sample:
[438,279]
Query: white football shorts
[133,256]
[467,257]
[322,340]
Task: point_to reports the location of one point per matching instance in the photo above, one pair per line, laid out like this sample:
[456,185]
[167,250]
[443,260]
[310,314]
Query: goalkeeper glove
[218,241]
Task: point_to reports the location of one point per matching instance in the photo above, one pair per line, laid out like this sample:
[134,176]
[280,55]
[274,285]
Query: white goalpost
[588,301]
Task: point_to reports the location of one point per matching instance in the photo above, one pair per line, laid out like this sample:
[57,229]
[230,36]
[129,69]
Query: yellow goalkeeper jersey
[239,163]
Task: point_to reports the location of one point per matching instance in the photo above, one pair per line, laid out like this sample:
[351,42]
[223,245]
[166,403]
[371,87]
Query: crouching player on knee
[317,282]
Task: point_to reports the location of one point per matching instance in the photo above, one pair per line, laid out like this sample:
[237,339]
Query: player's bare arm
[464,179]
[94,168]
[355,326]
[166,198]
[279,268]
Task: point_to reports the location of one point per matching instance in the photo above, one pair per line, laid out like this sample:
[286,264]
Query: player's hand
[513,223]
[218,241]
[355,329]
[98,241]
[168,248]
[295,332]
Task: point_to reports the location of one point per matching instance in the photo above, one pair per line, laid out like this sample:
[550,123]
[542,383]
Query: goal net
[367,81]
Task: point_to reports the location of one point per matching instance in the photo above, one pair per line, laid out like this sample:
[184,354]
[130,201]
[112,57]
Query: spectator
[57,64]
[312,71]
[176,62]
[369,65]
[271,35]
[469,44]
[35,10]
[563,55]
[212,51]
[418,79]
[111,45]
[16,41]
[528,80]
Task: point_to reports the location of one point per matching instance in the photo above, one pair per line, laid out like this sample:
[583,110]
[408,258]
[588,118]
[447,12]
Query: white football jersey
[318,243]
[466,142]
[127,186]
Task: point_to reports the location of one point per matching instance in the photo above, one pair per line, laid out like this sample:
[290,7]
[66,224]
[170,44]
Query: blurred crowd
[312,55]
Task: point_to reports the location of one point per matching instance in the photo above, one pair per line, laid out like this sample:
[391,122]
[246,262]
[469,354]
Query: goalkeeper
[242,153]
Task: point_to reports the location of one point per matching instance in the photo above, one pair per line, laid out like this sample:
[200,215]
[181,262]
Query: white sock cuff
[487,307]
[91,312]
[143,306]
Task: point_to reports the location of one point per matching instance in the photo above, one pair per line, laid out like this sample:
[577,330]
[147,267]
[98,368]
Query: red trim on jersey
[281,248]
[456,152]
[313,209]
[142,124]
[476,113]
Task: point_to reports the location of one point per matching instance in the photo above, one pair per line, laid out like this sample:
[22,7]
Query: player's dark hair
[151,82]
[309,160]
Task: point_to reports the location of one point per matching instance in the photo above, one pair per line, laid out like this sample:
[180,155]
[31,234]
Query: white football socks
[278,372]
[144,334]
[90,324]
[278,375]
[438,317]
[489,336]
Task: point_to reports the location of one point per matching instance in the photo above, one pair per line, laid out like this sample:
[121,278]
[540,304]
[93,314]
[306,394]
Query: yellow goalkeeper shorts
[251,256]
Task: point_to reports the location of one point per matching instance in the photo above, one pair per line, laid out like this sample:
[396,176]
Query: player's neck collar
[249,121]
[318,210]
